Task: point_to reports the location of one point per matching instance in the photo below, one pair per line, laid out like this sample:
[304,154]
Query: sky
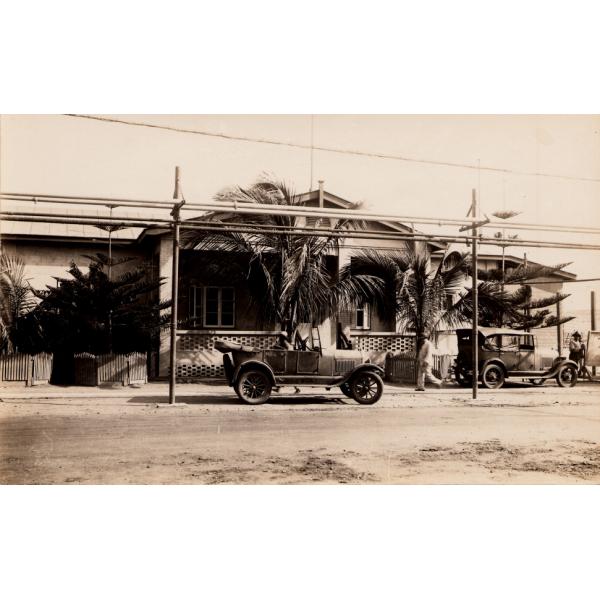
[547,167]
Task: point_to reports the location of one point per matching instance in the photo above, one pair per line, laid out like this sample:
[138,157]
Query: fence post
[30,368]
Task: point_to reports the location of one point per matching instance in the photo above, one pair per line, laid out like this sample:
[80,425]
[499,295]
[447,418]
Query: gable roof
[329,201]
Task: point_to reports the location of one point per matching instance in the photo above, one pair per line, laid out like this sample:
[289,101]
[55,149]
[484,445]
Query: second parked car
[507,353]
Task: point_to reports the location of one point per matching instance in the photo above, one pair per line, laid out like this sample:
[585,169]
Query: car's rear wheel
[462,379]
[566,376]
[492,377]
[366,387]
[345,387]
[253,387]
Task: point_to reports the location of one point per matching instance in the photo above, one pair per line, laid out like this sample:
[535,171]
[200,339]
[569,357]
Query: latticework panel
[194,371]
[191,342]
[384,343]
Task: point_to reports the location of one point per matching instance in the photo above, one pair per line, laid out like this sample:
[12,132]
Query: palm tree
[16,302]
[423,299]
[291,275]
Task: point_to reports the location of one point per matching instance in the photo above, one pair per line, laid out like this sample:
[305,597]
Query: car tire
[566,376]
[492,377]
[366,387]
[345,387]
[253,386]
[463,380]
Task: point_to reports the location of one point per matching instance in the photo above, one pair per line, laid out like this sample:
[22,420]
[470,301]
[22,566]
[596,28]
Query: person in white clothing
[425,364]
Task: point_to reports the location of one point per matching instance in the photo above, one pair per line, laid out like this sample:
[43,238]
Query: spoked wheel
[493,377]
[566,376]
[366,387]
[537,381]
[254,387]
[345,387]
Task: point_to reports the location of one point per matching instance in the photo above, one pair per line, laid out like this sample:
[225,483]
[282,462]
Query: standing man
[425,364]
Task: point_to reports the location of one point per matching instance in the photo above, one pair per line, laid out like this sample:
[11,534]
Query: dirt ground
[519,434]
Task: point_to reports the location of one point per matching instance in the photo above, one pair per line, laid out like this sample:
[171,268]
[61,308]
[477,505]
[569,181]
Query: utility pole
[175,213]
[593,317]
[474,292]
[475,330]
[559,337]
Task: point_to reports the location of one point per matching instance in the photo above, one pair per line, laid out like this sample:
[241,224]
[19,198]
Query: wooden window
[362,318]
[213,306]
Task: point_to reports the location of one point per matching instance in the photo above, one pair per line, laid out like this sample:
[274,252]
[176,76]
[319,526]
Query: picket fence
[89,369]
[27,368]
[402,367]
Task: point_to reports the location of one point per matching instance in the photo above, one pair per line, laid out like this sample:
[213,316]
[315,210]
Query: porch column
[165,269]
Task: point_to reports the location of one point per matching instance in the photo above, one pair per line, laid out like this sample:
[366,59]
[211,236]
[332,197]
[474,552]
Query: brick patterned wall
[197,357]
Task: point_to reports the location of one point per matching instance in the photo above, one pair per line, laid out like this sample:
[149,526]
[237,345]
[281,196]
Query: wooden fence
[27,368]
[403,367]
[125,369]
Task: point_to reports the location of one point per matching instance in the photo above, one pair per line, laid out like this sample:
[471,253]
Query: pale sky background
[551,164]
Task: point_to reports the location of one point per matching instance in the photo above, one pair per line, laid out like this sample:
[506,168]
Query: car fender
[363,367]
[253,364]
[494,361]
[554,370]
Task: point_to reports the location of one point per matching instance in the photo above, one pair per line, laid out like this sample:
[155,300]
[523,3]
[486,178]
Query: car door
[508,351]
[526,361]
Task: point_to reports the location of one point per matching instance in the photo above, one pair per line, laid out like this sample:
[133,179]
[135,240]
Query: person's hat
[577,334]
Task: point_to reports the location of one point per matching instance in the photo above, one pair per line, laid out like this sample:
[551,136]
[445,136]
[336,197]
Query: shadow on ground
[232,399]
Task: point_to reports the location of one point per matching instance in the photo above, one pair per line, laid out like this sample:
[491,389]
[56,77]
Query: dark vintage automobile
[505,353]
[254,373]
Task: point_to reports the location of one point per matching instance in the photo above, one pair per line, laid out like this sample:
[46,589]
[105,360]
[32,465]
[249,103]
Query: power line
[216,226]
[311,147]
[296,210]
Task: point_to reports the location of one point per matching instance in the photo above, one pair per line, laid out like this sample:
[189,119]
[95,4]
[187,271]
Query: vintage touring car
[254,373]
[507,353]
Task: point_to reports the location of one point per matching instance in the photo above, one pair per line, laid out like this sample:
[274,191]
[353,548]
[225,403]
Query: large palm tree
[291,274]
[16,303]
[421,298]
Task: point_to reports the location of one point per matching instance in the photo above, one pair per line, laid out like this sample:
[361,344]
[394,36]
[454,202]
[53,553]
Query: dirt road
[517,435]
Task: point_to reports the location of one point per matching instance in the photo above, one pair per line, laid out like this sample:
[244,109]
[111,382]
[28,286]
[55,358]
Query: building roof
[515,261]
[330,200]
[92,233]
[71,231]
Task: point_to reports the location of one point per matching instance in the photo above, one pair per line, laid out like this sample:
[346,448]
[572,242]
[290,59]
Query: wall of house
[45,260]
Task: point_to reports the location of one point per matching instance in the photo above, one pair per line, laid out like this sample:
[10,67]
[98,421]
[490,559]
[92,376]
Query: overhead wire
[330,149]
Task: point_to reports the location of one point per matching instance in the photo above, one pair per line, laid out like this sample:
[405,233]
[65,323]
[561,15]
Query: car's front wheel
[366,387]
[253,387]
[566,376]
[493,377]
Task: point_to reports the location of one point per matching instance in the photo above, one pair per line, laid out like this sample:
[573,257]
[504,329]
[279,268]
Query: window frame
[366,310]
[201,318]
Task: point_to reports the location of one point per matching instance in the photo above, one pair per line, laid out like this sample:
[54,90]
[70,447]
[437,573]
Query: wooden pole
[593,320]
[559,339]
[175,213]
[475,331]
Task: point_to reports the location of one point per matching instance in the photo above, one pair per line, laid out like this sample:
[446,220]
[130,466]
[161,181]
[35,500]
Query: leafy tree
[89,312]
[515,307]
[16,304]
[291,276]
